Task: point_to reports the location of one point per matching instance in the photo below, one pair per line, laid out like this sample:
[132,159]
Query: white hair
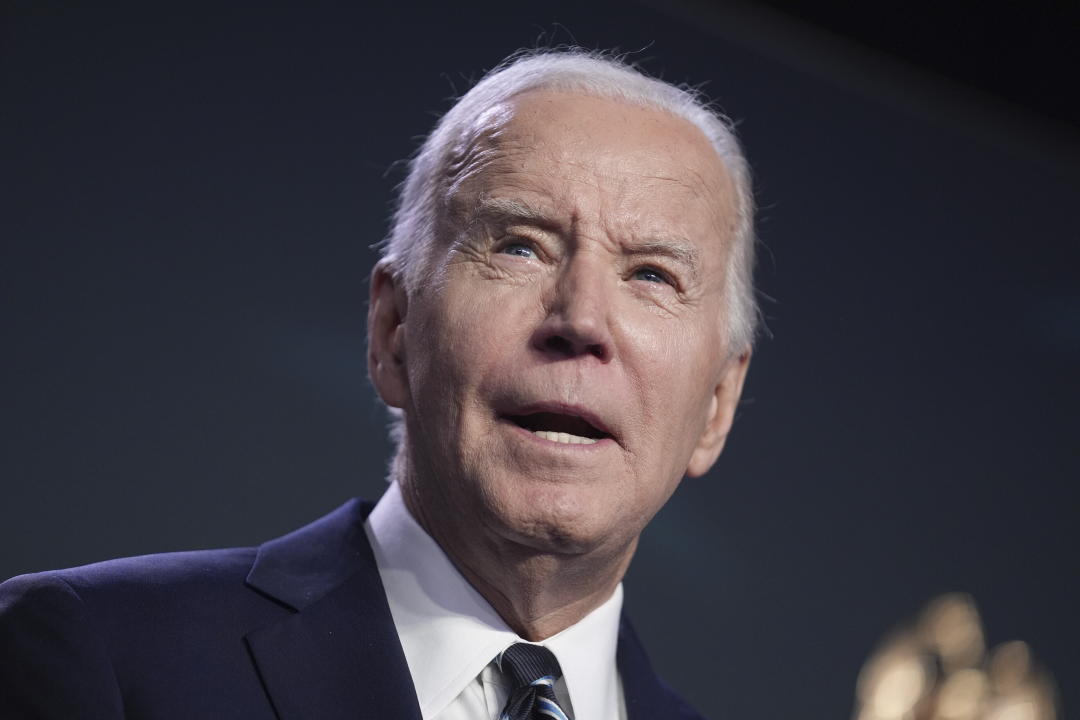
[422,196]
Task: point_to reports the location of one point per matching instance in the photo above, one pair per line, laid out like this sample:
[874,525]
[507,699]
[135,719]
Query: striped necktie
[533,671]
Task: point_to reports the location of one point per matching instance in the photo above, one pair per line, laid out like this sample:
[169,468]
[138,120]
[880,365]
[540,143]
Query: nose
[578,317]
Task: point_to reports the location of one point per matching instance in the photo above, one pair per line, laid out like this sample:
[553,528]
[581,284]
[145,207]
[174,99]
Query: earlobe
[387,307]
[720,416]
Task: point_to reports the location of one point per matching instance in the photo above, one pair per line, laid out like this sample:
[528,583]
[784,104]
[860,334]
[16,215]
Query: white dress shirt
[451,635]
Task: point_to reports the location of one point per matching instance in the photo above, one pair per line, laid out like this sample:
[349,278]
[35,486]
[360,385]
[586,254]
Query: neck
[540,595]
[537,593]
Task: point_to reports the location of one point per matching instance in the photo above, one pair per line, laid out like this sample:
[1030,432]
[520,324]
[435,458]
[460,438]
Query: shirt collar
[449,632]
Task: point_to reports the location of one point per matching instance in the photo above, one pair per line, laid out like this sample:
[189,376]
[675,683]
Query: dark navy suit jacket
[296,628]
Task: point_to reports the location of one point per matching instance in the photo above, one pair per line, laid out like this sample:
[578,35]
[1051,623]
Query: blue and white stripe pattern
[534,671]
[548,708]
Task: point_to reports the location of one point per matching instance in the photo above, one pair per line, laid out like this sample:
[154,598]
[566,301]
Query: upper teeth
[561,437]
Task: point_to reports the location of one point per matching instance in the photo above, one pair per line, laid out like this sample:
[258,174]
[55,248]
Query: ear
[387,307]
[721,414]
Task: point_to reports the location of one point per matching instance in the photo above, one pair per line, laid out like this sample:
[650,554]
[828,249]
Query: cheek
[673,372]
[465,337]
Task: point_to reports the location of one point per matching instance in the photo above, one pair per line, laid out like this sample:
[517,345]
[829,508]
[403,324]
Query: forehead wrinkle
[486,147]
[502,154]
[490,159]
[711,198]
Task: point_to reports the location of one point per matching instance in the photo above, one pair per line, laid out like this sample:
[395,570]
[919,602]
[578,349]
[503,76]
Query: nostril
[563,343]
[559,344]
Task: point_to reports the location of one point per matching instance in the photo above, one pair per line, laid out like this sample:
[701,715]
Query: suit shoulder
[152,573]
[39,592]
[201,586]
[53,663]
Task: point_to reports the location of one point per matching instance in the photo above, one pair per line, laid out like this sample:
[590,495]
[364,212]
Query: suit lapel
[337,655]
[646,695]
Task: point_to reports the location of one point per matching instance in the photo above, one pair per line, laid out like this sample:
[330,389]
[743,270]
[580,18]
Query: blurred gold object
[950,626]
[939,669]
[893,681]
[962,695]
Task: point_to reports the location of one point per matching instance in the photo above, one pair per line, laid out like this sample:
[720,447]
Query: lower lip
[597,446]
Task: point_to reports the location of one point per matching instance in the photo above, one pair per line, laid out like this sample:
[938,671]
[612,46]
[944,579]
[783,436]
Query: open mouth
[560,428]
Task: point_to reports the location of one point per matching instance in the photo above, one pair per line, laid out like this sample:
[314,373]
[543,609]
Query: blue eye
[649,274]
[519,249]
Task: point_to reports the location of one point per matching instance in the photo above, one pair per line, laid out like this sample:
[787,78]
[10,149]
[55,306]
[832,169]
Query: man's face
[566,364]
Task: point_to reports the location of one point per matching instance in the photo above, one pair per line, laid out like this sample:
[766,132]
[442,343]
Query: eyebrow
[676,249]
[510,209]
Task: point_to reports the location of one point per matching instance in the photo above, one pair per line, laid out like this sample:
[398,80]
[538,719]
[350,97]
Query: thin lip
[564,447]
[562,409]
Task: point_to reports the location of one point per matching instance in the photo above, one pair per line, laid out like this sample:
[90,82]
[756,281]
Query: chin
[555,518]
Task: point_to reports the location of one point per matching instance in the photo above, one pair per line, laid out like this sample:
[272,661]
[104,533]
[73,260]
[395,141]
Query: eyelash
[532,249]
[664,277]
[518,243]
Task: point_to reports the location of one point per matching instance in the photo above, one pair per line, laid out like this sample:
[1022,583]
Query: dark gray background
[188,199]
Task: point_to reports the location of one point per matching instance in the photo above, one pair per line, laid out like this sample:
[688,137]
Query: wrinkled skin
[582,270]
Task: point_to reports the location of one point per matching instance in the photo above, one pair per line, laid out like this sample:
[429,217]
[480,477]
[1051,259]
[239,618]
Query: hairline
[421,211]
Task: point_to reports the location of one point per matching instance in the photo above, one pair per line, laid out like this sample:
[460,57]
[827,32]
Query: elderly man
[561,322]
